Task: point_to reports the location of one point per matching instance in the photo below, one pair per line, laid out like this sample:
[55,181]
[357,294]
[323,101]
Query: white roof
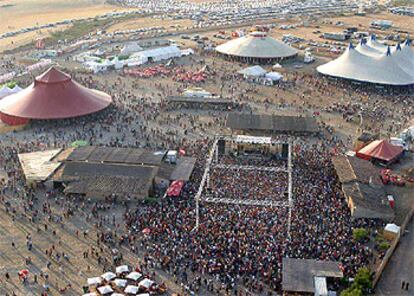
[256,45]
[392,228]
[391,67]
[122,268]
[146,283]
[275,76]
[105,289]
[130,289]
[256,71]
[117,294]
[90,294]
[134,276]
[38,166]
[130,47]
[120,282]
[94,281]
[321,288]
[107,276]
[171,50]
[5,91]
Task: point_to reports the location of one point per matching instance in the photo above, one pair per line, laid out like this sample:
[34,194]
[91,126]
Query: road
[400,268]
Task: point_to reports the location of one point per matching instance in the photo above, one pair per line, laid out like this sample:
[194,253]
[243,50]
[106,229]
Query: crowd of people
[237,248]
[251,184]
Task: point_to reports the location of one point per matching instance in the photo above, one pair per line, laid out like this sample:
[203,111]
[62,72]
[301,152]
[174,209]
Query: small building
[308,276]
[261,124]
[99,172]
[362,187]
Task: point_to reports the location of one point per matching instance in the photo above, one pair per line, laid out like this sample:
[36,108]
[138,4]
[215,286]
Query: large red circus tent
[53,95]
[380,150]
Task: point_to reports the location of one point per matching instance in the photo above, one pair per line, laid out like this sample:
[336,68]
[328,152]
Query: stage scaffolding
[212,162]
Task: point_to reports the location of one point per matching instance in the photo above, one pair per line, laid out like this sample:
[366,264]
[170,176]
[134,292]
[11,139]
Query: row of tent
[374,62]
[138,58]
[6,91]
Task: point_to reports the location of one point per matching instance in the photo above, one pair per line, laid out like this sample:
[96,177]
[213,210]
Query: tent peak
[53,75]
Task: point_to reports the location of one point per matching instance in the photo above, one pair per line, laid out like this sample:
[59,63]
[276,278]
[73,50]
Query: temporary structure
[157,54]
[107,276]
[256,46]
[391,230]
[129,48]
[131,289]
[53,95]
[374,62]
[105,289]
[134,276]
[274,76]
[254,71]
[94,281]
[7,91]
[381,150]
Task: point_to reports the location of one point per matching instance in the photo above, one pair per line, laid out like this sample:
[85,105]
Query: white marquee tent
[254,71]
[6,91]
[129,48]
[256,45]
[374,62]
[157,54]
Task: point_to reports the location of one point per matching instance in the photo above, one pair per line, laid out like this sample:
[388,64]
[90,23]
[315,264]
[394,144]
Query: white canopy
[130,48]
[120,282]
[117,294]
[130,289]
[122,268]
[16,89]
[146,283]
[94,281]
[90,294]
[5,91]
[275,76]
[107,276]
[256,45]
[105,289]
[255,71]
[158,54]
[392,228]
[134,276]
[366,63]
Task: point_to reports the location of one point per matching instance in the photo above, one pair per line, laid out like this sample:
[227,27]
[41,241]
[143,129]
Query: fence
[390,251]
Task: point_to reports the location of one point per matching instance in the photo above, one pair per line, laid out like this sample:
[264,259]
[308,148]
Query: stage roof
[272,123]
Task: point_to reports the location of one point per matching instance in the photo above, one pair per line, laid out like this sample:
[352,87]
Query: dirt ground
[28,13]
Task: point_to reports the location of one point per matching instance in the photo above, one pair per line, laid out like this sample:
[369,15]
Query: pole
[290,199]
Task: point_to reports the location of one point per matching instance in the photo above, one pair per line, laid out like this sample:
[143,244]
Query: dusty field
[28,13]
[22,39]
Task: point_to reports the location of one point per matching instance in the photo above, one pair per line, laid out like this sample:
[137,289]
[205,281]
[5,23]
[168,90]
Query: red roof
[380,149]
[54,95]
